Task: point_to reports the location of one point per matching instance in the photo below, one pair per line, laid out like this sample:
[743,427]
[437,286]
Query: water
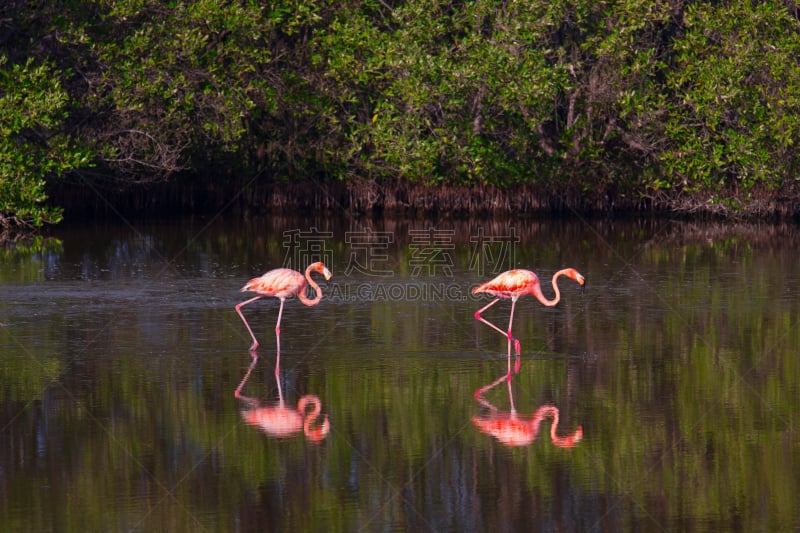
[130,401]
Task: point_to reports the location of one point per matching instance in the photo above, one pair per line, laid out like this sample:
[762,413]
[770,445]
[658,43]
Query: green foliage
[627,97]
[736,95]
[567,94]
[445,94]
[32,146]
[181,80]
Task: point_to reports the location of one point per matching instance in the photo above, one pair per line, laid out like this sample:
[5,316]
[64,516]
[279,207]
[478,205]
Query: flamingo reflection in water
[513,429]
[279,420]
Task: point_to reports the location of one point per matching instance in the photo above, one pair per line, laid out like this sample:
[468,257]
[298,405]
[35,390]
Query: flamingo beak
[317,434]
[326,273]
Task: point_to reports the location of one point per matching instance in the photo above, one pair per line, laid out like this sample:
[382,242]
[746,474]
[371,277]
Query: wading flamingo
[513,429]
[513,284]
[279,420]
[282,283]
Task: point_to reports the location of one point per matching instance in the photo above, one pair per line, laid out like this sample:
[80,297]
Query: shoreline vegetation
[403,198]
[675,108]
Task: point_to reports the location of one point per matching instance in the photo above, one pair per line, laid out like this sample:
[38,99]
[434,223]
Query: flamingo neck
[553,412]
[305,401]
[540,415]
[536,290]
[302,294]
[310,416]
[561,442]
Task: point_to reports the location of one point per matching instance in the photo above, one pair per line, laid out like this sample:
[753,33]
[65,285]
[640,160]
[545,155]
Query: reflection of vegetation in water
[24,259]
[25,376]
[21,244]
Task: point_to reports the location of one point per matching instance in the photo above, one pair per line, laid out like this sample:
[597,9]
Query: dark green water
[675,375]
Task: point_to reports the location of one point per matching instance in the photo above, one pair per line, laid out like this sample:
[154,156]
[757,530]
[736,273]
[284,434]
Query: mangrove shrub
[33,146]
[632,99]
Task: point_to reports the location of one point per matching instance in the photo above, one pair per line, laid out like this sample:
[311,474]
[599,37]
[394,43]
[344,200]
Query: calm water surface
[662,397]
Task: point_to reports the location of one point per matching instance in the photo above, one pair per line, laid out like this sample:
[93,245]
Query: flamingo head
[321,268]
[574,274]
[571,440]
[318,433]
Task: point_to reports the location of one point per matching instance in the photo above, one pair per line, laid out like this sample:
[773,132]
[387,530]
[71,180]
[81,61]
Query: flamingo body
[509,431]
[283,422]
[280,283]
[511,285]
[275,421]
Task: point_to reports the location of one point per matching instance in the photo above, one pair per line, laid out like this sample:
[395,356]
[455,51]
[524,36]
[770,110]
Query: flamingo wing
[275,421]
[509,284]
[281,283]
[509,431]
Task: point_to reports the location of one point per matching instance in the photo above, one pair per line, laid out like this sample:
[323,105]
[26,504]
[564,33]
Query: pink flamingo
[279,420]
[513,284]
[283,283]
[512,429]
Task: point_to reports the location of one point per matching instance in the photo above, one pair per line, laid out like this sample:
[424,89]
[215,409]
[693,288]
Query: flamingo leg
[278,340]
[280,390]
[506,334]
[238,392]
[239,310]
[511,398]
[517,345]
[478,394]
[497,329]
